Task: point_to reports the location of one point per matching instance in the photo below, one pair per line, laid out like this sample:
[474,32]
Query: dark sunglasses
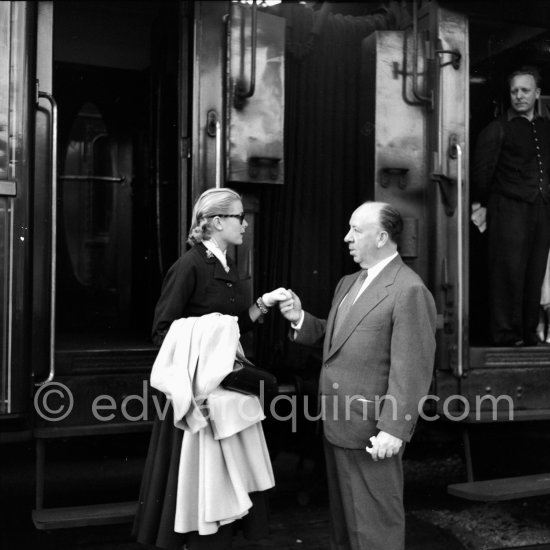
[240,217]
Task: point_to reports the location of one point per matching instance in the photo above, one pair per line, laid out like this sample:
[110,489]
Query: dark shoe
[519,343]
[510,344]
[533,341]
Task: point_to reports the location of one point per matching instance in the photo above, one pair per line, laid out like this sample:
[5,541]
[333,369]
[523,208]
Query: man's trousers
[366,500]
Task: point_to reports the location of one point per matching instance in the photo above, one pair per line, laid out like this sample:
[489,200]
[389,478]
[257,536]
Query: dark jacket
[198,284]
[512,158]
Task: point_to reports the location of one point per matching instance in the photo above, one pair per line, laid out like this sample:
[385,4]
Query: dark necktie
[347,303]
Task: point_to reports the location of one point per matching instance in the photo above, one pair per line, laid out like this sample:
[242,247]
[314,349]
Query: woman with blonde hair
[202,281]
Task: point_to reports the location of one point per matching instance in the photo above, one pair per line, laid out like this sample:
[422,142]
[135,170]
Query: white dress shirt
[374,271]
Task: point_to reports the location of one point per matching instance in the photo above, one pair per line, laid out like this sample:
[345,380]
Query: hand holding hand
[384,445]
[277,295]
[291,309]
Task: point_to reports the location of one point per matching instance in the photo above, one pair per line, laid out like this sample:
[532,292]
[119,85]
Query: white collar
[216,250]
[377,268]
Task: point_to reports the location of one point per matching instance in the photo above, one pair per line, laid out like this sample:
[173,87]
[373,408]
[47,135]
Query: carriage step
[503,489]
[84,516]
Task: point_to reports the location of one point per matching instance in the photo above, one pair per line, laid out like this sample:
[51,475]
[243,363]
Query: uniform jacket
[512,158]
[379,366]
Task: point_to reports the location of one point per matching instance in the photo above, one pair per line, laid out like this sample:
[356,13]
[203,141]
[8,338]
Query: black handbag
[249,379]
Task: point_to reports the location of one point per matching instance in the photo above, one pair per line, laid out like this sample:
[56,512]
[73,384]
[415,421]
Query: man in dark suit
[378,356]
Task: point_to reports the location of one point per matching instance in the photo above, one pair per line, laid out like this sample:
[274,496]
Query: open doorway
[496,49]
[115,78]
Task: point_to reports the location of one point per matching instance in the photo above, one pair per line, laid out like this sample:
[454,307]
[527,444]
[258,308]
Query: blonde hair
[211,202]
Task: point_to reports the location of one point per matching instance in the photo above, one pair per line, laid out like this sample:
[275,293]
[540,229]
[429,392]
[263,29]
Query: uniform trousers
[519,241]
[366,500]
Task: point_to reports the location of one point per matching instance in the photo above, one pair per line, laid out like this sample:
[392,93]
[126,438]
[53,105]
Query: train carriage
[115,116]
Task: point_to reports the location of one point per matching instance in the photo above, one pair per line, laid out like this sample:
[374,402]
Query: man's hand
[291,309]
[479,216]
[384,445]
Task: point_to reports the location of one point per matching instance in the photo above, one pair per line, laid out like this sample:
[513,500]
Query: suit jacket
[379,366]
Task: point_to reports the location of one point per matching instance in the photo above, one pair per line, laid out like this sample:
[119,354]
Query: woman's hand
[277,295]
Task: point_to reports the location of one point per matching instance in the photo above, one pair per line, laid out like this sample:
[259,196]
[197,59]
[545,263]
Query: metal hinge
[8,188]
[185,148]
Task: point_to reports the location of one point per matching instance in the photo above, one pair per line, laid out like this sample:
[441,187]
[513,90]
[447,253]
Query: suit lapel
[370,298]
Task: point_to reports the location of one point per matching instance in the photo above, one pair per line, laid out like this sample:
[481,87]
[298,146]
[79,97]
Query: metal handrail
[239,92]
[421,98]
[53,233]
[460,250]
[108,179]
[218,154]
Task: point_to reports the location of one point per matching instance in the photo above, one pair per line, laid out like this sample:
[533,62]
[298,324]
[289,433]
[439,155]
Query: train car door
[110,200]
[429,82]
[238,146]
[109,174]
[417,84]
[17,93]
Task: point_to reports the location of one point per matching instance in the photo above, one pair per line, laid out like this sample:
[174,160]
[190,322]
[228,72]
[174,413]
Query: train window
[89,201]
[95,236]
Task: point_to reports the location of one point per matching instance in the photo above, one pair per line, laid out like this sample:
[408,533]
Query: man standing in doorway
[378,357]
[511,197]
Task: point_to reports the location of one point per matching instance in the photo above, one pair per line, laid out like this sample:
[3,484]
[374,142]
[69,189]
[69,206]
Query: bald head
[374,227]
[369,209]
[386,215]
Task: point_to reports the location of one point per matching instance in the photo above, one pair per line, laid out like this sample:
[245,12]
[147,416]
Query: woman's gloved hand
[275,296]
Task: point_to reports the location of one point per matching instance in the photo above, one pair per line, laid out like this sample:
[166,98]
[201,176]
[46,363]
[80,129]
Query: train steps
[508,488]
[502,489]
[84,516]
[111,513]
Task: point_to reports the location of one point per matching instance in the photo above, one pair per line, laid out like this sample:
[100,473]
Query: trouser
[519,240]
[366,500]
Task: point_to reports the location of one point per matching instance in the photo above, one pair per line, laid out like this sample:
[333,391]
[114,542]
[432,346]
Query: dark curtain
[304,222]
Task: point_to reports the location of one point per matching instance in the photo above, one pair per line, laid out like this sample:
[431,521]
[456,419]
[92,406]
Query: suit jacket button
[232,300]
[229,284]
